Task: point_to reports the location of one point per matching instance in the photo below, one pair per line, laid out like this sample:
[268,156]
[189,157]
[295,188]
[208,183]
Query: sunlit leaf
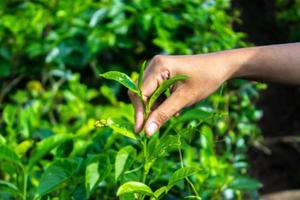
[163,87]
[141,75]
[180,174]
[160,191]
[8,154]
[122,79]
[97,169]
[134,187]
[122,158]
[119,126]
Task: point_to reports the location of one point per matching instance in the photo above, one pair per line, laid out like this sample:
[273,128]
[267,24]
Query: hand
[206,73]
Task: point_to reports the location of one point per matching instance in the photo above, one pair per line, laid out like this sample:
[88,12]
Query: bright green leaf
[180,174]
[141,75]
[122,79]
[7,154]
[122,158]
[134,187]
[163,87]
[119,126]
[97,169]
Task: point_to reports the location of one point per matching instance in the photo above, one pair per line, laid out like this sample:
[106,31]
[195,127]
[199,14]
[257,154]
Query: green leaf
[141,74]
[165,145]
[7,154]
[9,114]
[121,78]
[163,87]
[56,174]
[119,126]
[7,187]
[108,94]
[46,145]
[97,169]
[206,138]
[122,158]
[134,187]
[180,174]
[159,192]
[245,183]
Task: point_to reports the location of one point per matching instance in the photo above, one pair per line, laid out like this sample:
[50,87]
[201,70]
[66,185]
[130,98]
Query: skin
[274,63]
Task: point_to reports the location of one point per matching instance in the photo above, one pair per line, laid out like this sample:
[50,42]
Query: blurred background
[52,52]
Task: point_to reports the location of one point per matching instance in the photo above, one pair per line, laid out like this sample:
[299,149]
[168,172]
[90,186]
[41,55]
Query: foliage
[49,147]
[288,14]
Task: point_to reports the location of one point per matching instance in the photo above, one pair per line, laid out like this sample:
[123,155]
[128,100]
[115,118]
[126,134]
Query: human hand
[206,73]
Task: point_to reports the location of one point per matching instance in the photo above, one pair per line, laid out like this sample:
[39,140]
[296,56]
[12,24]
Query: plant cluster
[49,147]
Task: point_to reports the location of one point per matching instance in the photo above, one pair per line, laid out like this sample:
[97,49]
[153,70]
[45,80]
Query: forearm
[274,63]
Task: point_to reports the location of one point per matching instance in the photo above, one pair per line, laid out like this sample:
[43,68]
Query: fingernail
[151,128]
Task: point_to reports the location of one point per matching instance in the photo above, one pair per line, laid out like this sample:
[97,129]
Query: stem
[182,165]
[25,176]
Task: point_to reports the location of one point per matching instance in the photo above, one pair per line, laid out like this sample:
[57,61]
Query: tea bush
[49,147]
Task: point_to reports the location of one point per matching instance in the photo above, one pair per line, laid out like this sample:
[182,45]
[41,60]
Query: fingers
[138,111]
[165,111]
[154,75]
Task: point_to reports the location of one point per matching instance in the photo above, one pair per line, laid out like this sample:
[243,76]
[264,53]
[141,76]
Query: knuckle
[162,117]
[159,61]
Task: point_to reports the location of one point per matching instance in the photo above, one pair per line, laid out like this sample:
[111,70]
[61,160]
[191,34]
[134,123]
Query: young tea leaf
[180,174]
[140,80]
[163,87]
[119,126]
[122,158]
[134,187]
[122,79]
[159,192]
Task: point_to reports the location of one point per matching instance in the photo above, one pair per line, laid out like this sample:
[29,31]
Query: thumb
[165,111]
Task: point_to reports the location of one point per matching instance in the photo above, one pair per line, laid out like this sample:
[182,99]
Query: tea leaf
[163,87]
[140,80]
[56,174]
[7,154]
[122,79]
[97,169]
[46,145]
[134,187]
[245,183]
[122,158]
[159,192]
[181,174]
[165,145]
[7,187]
[119,126]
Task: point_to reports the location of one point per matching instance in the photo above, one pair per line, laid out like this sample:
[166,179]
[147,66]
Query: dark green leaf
[56,174]
[7,154]
[245,183]
[46,145]
[7,187]
[121,78]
